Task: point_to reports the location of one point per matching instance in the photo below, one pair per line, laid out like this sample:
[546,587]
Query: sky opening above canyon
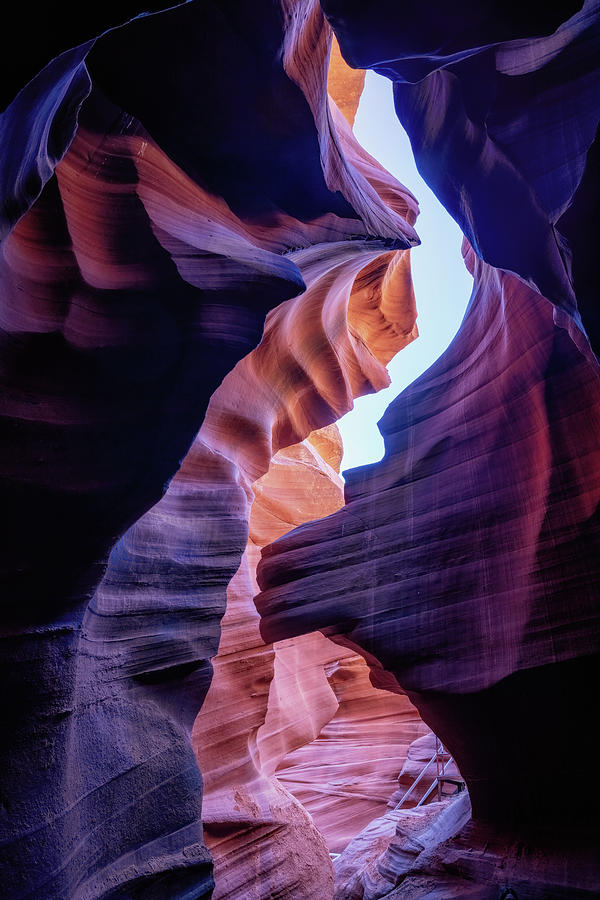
[441,281]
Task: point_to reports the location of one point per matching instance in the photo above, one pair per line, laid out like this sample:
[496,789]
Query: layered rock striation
[346,776]
[500,101]
[317,353]
[168,182]
[138,263]
[457,567]
[465,560]
[262,840]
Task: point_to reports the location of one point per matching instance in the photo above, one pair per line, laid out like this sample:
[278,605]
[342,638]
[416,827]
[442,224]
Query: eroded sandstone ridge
[467,559]
[267,701]
[318,352]
[138,263]
[167,182]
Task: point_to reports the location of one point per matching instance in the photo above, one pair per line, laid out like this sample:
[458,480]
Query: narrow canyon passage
[223,662]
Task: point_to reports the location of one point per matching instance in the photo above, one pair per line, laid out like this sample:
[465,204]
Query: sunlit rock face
[265,701]
[346,776]
[138,263]
[262,840]
[318,352]
[344,85]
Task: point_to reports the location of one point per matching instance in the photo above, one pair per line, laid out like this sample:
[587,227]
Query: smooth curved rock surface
[138,262]
[313,349]
[266,700]
[398,845]
[130,287]
[500,101]
[345,777]
[316,355]
[458,568]
[509,363]
[262,840]
[436,854]
[344,85]
[200,526]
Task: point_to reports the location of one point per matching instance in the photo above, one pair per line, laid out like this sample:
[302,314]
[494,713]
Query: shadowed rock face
[509,367]
[262,840]
[317,353]
[457,566]
[163,186]
[500,101]
[131,285]
[466,561]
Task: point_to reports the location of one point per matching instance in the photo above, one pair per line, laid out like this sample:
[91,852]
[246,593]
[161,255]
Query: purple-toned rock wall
[155,176]
[466,561]
[153,182]
[468,556]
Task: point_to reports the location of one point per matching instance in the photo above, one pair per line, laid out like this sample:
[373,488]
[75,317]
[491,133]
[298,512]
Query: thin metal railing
[416,781]
[437,781]
[440,771]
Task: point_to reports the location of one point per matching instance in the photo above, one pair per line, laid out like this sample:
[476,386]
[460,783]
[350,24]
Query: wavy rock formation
[314,348]
[456,565]
[326,348]
[137,267]
[471,548]
[501,104]
[262,840]
[166,183]
[345,777]
[266,700]
[397,845]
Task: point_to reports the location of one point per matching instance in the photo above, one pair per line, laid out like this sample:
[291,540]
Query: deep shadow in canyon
[200,270]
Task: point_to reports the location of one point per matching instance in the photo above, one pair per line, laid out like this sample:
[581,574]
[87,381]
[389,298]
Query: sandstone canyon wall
[469,553]
[265,701]
[167,182]
[139,261]
[322,349]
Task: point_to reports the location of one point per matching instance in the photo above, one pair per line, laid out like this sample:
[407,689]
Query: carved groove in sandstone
[138,262]
[130,288]
[259,835]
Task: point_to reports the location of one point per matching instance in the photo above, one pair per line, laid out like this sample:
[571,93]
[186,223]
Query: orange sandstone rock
[262,840]
[346,776]
[344,85]
[317,354]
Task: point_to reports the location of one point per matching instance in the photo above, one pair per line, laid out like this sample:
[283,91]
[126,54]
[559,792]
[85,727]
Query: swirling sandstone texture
[266,700]
[346,776]
[399,843]
[262,840]
[457,566]
[164,184]
[466,562]
[501,102]
[318,352]
[138,263]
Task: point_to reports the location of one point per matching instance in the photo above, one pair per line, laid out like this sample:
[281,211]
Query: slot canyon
[231,669]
